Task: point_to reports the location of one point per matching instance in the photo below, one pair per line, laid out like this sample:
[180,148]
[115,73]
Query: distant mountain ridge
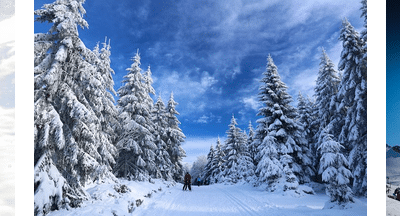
[392,152]
[395,148]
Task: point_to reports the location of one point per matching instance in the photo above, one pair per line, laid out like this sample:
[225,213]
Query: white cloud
[189,92]
[251,102]
[304,82]
[196,146]
[204,119]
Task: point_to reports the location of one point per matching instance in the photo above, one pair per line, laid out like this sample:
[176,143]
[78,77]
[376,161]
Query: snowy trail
[217,199]
[221,200]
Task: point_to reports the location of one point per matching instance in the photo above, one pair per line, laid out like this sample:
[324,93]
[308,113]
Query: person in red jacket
[187,181]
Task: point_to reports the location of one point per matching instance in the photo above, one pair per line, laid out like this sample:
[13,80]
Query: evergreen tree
[353,104]
[305,118]
[333,167]
[251,145]
[326,88]
[104,106]
[175,137]
[162,157]
[278,122]
[238,165]
[217,162]
[136,142]
[209,165]
[68,89]
[269,169]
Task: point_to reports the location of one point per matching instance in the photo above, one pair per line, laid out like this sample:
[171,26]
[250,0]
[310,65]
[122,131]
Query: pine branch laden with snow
[278,121]
[72,86]
[353,104]
[334,170]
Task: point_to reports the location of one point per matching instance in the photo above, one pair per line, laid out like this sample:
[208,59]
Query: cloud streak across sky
[211,54]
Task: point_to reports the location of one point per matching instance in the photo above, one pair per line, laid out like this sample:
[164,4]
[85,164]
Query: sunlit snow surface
[7,161]
[217,200]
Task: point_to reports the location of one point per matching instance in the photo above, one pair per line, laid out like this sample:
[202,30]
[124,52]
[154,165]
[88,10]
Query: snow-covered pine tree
[233,147]
[251,145]
[163,160]
[148,81]
[306,119]
[218,161]
[278,122]
[105,110]
[326,88]
[175,138]
[269,169]
[136,142]
[208,168]
[364,34]
[334,170]
[68,83]
[353,102]
[238,164]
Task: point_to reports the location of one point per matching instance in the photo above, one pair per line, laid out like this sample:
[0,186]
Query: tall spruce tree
[68,85]
[104,106]
[238,165]
[305,118]
[136,142]
[251,145]
[209,165]
[279,123]
[163,160]
[218,161]
[326,89]
[353,103]
[175,138]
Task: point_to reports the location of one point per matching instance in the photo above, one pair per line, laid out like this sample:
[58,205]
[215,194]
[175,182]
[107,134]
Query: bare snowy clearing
[216,199]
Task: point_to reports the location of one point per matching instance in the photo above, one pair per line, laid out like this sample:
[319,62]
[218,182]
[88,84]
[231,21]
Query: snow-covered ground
[169,199]
[7,161]
[393,172]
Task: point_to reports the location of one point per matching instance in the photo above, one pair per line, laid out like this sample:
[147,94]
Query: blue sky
[212,54]
[392,73]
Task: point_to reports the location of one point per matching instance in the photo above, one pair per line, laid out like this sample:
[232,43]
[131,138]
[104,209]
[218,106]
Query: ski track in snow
[224,200]
[214,200]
